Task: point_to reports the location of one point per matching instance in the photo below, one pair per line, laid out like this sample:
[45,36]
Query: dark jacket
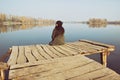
[57,36]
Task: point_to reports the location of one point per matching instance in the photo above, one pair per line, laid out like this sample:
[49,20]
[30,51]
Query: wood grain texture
[60,62]
[14,55]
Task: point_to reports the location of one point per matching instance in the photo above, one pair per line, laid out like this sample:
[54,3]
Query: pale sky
[70,10]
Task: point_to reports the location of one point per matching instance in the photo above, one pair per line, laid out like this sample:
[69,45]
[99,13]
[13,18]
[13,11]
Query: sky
[67,10]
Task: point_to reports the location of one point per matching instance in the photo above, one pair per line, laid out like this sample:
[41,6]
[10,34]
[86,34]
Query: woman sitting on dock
[57,34]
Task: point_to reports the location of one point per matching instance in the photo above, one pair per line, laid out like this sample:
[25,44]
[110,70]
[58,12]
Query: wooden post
[3,67]
[104,57]
[2,74]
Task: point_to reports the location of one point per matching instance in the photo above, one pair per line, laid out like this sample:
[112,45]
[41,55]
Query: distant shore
[11,23]
[7,23]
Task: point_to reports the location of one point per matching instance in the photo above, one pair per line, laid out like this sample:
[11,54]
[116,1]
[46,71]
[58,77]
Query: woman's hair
[59,23]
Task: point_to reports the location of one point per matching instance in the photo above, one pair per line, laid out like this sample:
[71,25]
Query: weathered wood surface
[23,54]
[14,56]
[61,62]
[67,68]
[21,57]
[110,47]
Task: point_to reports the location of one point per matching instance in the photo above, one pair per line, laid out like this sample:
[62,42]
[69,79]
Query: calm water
[19,35]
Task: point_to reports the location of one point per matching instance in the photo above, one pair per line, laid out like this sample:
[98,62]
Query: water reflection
[97,25]
[11,28]
[101,25]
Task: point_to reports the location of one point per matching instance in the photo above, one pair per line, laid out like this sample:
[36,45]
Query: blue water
[73,32]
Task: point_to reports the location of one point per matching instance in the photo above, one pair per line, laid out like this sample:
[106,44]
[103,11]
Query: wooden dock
[63,62]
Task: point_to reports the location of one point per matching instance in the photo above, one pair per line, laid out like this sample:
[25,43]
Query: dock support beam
[104,57]
[3,67]
[2,74]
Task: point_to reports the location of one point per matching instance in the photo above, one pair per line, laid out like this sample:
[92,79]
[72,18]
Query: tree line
[97,21]
[12,19]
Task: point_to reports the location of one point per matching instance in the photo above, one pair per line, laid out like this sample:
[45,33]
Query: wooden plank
[75,73]
[13,57]
[112,76]
[71,48]
[96,75]
[96,47]
[36,53]
[53,67]
[43,53]
[17,66]
[68,50]
[21,57]
[29,55]
[71,72]
[61,51]
[58,76]
[82,70]
[45,47]
[78,49]
[92,48]
[55,51]
[85,47]
[111,47]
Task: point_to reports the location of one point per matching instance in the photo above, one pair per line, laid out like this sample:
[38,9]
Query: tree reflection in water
[11,28]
